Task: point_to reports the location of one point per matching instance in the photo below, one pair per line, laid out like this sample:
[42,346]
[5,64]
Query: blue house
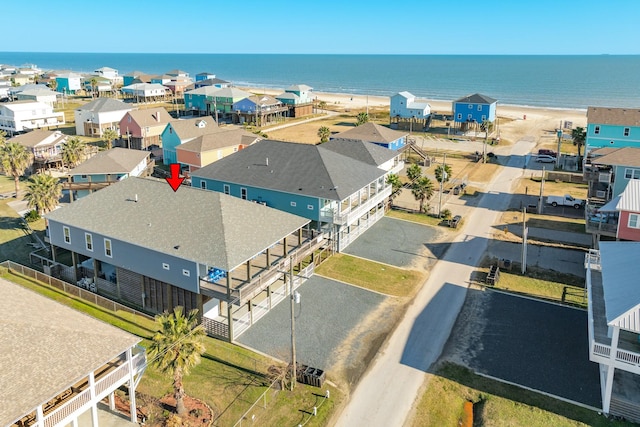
[207,99]
[612,127]
[108,167]
[259,109]
[205,76]
[131,78]
[180,131]
[224,256]
[342,194]
[376,134]
[474,109]
[215,82]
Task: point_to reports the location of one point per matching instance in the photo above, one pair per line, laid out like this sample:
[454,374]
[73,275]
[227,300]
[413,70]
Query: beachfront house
[612,127]
[227,257]
[613,327]
[106,168]
[107,72]
[340,194]
[180,131]
[59,363]
[208,148]
[144,92]
[473,110]
[299,98]
[21,116]
[175,73]
[210,100]
[140,129]
[93,118]
[44,145]
[204,76]
[406,112]
[259,109]
[68,83]
[215,82]
[376,134]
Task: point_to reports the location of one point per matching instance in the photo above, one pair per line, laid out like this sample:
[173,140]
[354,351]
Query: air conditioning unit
[601,194]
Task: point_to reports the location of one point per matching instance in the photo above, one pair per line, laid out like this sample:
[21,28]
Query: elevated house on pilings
[147,246]
[408,113]
[469,112]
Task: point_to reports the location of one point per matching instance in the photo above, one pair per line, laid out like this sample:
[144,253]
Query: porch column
[74,261]
[53,253]
[249,270]
[269,296]
[268,256]
[299,236]
[230,320]
[94,404]
[250,307]
[39,417]
[608,386]
[132,388]
[286,250]
[112,401]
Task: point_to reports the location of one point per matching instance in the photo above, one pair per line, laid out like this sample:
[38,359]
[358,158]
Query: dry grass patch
[549,222]
[372,275]
[531,185]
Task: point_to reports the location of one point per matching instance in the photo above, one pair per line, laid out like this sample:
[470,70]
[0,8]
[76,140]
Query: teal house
[178,132]
[68,83]
[207,99]
[612,127]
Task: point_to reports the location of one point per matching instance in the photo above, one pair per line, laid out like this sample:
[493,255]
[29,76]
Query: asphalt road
[386,393]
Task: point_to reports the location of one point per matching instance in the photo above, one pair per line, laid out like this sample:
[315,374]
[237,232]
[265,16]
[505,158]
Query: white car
[545,158]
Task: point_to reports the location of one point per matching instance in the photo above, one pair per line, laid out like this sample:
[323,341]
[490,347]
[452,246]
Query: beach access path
[387,391]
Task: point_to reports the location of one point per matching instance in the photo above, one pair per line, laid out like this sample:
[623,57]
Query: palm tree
[579,135]
[176,348]
[362,118]
[422,190]
[53,84]
[109,135]
[443,173]
[43,193]
[322,105]
[414,172]
[323,134]
[94,85]
[394,180]
[15,159]
[73,151]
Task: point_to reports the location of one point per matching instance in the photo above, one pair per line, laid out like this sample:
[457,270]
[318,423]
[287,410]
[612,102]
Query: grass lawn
[230,378]
[495,404]
[371,275]
[550,222]
[531,185]
[416,217]
[14,238]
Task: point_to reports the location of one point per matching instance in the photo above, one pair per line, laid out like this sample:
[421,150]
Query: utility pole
[525,231]
[540,199]
[293,325]
[559,133]
[442,180]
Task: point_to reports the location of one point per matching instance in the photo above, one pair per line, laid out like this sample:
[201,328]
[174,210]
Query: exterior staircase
[629,411]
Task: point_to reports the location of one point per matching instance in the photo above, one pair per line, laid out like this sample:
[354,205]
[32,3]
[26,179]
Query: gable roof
[299,88]
[288,95]
[231,92]
[624,156]
[187,129]
[219,139]
[135,74]
[212,81]
[104,105]
[372,132]
[294,168]
[38,92]
[613,116]
[150,116]
[476,98]
[116,160]
[37,136]
[204,90]
[405,94]
[619,261]
[630,197]
[263,100]
[25,105]
[64,345]
[222,230]
[363,151]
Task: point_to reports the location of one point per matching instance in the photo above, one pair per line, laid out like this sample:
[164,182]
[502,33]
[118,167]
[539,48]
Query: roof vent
[267,161]
[136,198]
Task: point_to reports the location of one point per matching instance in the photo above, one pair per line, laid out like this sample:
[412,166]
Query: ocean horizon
[551,81]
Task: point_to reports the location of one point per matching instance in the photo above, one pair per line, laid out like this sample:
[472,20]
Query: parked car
[455,221]
[565,200]
[545,152]
[545,158]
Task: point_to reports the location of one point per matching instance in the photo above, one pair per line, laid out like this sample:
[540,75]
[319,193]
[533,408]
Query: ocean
[557,81]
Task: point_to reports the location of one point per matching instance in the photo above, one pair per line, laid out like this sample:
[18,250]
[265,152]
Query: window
[634,221]
[627,131]
[67,234]
[632,173]
[479,107]
[186,272]
[243,193]
[165,266]
[310,207]
[226,189]
[459,116]
[88,241]
[293,204]
[203,185]
[484,117]
[469,116]
[107,248]
[596,130]
[470,106]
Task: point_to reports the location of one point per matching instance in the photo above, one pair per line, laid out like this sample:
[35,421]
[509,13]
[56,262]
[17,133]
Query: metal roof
[46,347]
[630,197]
[198,225]
[620,270]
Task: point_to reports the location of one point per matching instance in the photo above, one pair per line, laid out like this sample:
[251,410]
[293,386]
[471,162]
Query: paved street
[386,393]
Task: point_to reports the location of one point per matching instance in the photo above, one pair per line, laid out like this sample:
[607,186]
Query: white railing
[592,260]
[241,324]
[628,360]
[349,217]
[260,310]
[67,409]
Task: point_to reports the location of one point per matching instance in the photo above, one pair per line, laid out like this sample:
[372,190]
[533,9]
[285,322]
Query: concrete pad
[568,261]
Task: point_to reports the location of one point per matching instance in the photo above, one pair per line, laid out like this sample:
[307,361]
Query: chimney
[267,161]
[158,116]
[136,198]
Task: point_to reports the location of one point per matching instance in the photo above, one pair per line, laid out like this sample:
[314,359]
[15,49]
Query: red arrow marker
[175,180]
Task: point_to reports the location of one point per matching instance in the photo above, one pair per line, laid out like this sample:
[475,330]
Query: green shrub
[32,216]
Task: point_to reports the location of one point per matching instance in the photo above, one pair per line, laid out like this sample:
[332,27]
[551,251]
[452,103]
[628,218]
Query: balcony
[352,215]
[603,223]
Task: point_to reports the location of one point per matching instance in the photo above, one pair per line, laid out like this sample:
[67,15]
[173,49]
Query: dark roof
[372,132]
[364,151]
[198,225]
[294,168]
[476,98]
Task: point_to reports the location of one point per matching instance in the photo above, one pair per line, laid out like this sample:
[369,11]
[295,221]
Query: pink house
[141,128]
[629,208]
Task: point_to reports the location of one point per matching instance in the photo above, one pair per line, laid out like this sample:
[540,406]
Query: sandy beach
[522,121]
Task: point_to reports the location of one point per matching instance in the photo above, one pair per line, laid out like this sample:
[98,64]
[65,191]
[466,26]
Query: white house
[106,72]
[406,106]
[46,96]
[100,114]
[144,90]
[20,116]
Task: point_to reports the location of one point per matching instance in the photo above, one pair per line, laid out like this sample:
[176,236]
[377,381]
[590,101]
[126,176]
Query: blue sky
[325,26]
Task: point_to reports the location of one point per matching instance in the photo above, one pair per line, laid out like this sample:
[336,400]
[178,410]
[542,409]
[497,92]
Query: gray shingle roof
[192,128]
[363,151]
[476,98]
[625,156]
[150,116]
[207,227]
[105,105]
[299,88]
[294,168]
[35,137]
[46,347]
[613,116]
[220,139]
[372,132]
[116,160]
